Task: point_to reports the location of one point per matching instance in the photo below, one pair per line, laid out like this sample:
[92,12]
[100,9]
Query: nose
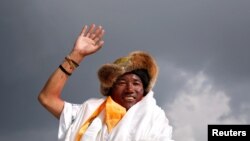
[129,88]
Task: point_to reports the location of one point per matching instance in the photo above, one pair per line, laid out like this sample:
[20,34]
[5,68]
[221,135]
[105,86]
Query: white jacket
[145,121]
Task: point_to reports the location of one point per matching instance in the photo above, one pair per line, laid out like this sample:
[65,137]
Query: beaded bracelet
[71,62]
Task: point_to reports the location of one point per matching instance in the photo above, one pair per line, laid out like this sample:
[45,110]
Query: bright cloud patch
[196,105]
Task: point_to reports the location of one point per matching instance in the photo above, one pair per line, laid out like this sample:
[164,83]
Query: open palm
[90,40]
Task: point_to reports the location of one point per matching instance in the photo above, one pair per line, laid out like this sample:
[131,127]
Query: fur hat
[109,73]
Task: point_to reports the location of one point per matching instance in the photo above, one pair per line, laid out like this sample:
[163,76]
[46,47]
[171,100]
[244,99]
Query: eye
[120,82]
[137,83]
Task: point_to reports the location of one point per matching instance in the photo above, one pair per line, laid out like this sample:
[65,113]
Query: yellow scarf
[114,113]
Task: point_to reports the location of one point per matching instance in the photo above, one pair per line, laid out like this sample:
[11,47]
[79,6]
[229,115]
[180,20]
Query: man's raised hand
[90,40]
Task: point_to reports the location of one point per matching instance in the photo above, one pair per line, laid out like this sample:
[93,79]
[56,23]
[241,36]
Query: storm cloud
[202,48]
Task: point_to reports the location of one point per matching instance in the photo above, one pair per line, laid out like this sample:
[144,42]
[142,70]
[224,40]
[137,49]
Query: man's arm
[88,42]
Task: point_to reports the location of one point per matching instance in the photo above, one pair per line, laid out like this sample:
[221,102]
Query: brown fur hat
[109,73]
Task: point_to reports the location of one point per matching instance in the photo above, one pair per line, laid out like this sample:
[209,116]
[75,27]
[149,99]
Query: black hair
[143,74]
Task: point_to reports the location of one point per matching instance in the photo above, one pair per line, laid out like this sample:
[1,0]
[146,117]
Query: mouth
[129,98]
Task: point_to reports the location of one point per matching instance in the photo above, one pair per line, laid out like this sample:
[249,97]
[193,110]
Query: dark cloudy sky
[202,48]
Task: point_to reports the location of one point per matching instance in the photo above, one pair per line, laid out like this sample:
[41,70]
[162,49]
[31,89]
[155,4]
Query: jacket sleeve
[67,117]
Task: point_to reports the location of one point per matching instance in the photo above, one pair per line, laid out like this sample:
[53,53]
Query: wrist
[76,56]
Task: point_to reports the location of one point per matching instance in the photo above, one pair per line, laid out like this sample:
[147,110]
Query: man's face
[127,90]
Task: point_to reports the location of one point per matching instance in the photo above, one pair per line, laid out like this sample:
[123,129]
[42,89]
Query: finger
[98,30]
[100,44]
[91,29]
[99,38]
[92,36]
[84,29]
[96,40]
[96,33]
[100,35]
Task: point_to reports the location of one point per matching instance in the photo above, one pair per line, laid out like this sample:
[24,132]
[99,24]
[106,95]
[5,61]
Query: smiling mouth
[129,98]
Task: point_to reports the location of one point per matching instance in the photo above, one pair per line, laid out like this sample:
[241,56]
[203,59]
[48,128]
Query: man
[127,113]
